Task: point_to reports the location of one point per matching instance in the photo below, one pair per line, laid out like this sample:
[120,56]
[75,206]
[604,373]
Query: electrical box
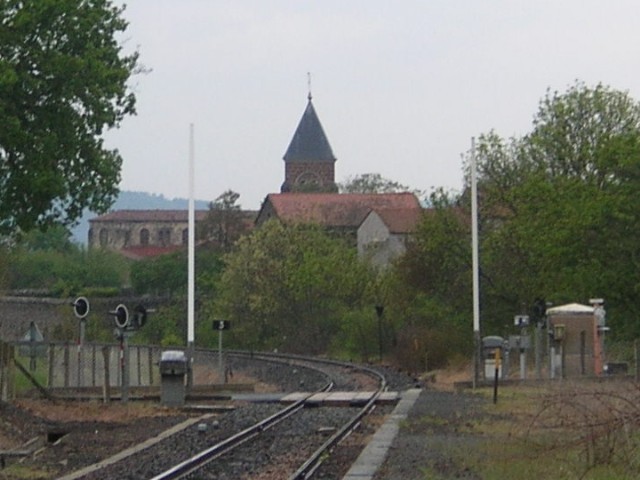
[493,349]
[173,369]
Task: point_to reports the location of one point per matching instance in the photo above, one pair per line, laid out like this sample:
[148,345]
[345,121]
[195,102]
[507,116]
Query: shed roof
[570,309]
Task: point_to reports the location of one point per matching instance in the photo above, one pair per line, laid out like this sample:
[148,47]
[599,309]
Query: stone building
[142,233]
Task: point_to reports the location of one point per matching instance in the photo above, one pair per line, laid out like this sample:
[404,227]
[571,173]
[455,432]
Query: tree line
[558,214]
[558,221]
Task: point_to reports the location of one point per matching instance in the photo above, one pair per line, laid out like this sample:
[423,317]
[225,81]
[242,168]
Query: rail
[313,462]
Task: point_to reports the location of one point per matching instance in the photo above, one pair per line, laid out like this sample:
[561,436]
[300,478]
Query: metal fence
[66,365]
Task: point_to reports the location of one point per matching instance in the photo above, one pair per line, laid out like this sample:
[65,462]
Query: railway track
[260,440]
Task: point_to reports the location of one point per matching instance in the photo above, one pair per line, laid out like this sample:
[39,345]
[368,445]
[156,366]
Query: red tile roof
[400,220]
[339,209]
[148,251]
[149,216]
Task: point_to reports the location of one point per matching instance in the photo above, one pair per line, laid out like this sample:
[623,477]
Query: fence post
[94,365]
[636,344]
[7,354]
[106,387]
[4,372]
[52,358]
[150,350]
[67,365]
[139,367]
[583,352]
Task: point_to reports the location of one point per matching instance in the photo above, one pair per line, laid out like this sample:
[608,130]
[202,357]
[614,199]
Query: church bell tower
[309,161]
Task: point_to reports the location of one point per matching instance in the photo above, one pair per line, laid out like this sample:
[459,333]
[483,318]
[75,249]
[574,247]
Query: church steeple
[309,160]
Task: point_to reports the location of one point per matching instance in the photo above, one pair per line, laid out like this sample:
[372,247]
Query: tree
[558,206]
[288,287]
[56,238]
[167,274]
[372,183]
[63,82]
[225,221]
[429,288]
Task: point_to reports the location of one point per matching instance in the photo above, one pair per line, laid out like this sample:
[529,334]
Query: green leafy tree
[167,274]
[56,239]
[225,221]
[66,273]
[430,290]
[558,206]
[371,183]
[287,287]
[63,82]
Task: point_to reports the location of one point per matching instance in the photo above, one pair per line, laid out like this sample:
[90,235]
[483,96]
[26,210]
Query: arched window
[164,237]
[104,237]
[308,179]
[144,237]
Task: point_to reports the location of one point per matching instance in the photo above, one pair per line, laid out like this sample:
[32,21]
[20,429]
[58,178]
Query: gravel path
[438,423]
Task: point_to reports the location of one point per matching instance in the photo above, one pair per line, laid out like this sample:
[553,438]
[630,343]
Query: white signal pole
[475,265]
[191,260]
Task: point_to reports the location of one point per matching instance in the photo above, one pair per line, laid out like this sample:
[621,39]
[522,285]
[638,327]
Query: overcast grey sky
[400,86]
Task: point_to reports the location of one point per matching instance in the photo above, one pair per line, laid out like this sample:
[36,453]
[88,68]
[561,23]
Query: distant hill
[128,200]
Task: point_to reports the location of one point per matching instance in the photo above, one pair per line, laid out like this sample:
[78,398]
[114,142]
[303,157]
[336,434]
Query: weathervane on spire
[309,85]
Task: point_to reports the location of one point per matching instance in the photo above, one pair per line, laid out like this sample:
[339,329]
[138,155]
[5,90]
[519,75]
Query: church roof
[341,210]
[309,143]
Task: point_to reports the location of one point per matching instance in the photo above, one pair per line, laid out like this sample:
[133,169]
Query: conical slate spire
[309,143]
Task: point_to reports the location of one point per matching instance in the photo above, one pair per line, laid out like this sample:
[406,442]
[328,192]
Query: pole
[220,368]
[496,375]
[379,312]
[475,265]
[191,262]
[538,347]
[124,365]
[523,355]
[636,349]
[80,353]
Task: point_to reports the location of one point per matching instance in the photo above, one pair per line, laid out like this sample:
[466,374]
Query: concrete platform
[374,454]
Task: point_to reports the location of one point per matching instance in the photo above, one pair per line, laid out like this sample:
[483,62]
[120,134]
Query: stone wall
[299,174]
[119,235]
[17,313]
[49,314]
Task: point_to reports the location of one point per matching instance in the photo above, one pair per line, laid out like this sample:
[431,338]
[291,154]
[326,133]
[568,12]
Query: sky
[400,87]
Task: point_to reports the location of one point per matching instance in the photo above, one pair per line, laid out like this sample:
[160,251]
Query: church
[380,224]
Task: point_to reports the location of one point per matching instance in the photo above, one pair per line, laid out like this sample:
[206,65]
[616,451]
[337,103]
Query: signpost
[121,318]
[221,325]
[81,310]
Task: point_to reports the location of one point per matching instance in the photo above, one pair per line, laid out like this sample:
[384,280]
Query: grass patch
[562,430]
[20,472]
[41,372]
